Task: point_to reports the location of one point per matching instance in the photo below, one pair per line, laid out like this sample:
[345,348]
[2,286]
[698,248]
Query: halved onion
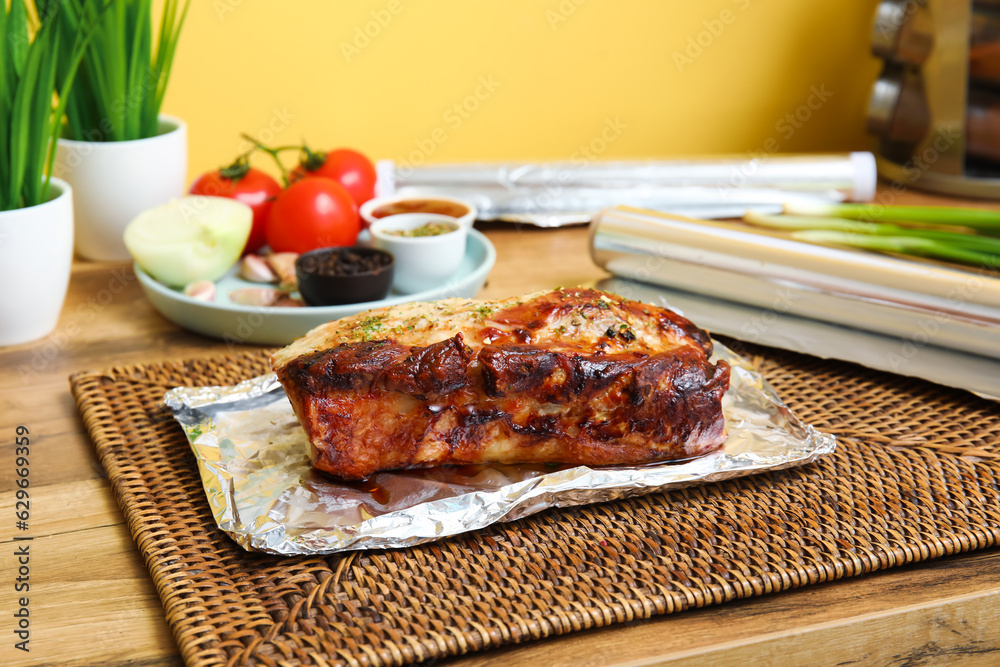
[189,239]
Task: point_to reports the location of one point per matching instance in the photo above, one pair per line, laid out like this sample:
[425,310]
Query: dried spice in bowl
[353,274]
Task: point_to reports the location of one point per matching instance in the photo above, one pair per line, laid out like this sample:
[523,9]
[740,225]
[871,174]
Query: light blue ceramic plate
[279,326]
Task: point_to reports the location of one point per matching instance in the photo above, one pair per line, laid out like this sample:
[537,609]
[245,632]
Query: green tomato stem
[273,152]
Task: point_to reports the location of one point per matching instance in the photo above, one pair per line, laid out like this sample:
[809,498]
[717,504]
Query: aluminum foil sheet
[254,461]
[904,316]
[553,194]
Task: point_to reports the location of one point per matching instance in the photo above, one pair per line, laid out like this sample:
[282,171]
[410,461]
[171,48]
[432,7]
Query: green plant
[29,72]
[124,77]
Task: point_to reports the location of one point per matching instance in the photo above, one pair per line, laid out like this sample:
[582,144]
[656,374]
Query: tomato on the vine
[312,213]
[245,184]
[348,167]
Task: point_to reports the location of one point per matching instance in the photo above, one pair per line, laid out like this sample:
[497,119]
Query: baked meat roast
[571,376]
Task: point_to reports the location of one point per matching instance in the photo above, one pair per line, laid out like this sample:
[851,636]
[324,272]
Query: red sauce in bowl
[439,206]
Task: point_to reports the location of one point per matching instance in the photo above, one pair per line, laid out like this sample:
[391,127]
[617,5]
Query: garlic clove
[283,264]
[256,270]
[203,290]
[256,296]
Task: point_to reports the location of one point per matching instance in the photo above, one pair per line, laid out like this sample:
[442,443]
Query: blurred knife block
[936,105]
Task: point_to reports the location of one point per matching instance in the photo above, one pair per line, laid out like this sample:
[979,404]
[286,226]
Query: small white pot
[422,262]
[36,254]
[421,203]
[114,181]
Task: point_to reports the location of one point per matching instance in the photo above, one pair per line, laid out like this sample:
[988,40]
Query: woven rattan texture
[915,476]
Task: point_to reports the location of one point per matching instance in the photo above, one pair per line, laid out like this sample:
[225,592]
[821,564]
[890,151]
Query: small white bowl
[422,262]
[370,206]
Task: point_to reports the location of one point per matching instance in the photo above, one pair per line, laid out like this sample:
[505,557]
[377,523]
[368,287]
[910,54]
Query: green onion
[980,219]
[795,223]
[906,245]
[123,78]
[921,239]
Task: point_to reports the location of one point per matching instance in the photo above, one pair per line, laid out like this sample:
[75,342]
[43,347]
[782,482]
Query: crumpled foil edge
[772,439]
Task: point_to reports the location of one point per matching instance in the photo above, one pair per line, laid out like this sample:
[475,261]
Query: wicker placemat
[915,477]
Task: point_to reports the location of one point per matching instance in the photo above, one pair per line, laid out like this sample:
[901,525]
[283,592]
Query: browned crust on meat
[509,387]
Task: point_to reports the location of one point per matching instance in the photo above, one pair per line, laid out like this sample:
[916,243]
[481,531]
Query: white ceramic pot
[422,262]
[114,181]
[462,210]
[36,253]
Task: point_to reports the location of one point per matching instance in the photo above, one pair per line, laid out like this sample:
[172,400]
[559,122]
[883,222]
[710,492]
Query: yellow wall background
[681,77]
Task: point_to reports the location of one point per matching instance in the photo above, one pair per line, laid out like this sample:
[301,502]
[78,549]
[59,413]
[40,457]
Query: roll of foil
[254,461]
[560,193]
[897,314]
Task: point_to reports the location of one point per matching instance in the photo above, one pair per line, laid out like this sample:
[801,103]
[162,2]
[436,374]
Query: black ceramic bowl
[334,276]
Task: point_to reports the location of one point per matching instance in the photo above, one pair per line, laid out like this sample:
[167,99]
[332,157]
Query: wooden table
[92,602]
